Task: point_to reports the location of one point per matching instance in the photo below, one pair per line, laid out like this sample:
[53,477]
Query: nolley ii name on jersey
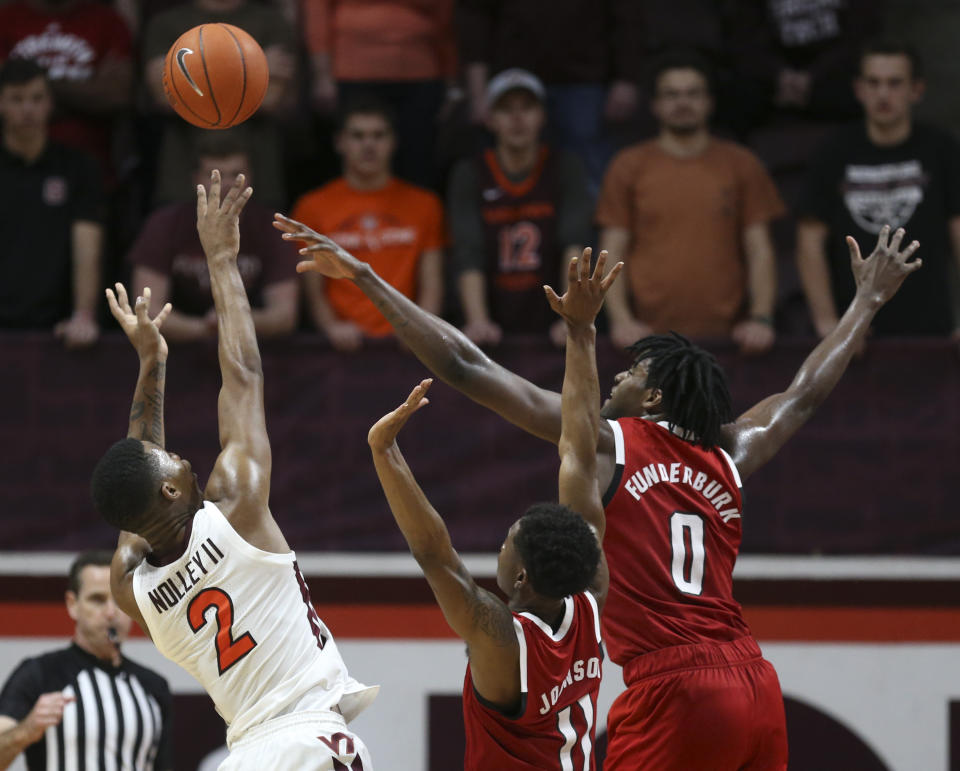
[174,589]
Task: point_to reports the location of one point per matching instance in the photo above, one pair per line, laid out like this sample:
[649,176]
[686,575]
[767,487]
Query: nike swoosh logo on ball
[183,68]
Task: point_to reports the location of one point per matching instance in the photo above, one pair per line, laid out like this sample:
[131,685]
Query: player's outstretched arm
[146,413]
[580,398]
[240,481]
[481,619]
[442,348]
[146,421]
[757,434]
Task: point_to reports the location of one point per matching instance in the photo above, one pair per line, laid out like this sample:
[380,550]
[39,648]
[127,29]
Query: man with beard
[690,214]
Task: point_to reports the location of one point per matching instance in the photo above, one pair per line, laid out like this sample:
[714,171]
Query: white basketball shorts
[317,740]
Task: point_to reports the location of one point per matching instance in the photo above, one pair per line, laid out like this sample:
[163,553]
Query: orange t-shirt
[389,228]
[686,217]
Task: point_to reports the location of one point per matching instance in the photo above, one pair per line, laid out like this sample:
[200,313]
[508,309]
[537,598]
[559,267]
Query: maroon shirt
[169,244]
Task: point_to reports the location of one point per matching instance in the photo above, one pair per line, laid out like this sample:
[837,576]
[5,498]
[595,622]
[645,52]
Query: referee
[86,707]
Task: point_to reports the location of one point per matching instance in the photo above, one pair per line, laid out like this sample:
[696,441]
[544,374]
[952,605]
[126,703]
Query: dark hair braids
[693,387]
[124,483]
[558,548]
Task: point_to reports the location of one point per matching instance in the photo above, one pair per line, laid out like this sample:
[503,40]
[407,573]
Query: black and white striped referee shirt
[120,720]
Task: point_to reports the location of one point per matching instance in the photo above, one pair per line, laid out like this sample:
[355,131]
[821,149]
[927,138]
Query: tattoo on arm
[146,413]
[488,618]
[158,376]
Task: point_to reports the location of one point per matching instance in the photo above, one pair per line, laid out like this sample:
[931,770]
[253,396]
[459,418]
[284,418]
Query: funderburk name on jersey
[678,473]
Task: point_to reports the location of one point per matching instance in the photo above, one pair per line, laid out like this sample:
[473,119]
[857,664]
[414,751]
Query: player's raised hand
[323,254]
[384,432]
[218,222]
[583,299]
[880,275]
[48,711]
[142,331]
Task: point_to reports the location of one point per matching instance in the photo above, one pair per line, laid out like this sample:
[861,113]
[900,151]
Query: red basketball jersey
[673,530]
[559,679]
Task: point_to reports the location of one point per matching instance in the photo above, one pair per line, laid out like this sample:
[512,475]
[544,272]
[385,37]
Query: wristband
[768,320]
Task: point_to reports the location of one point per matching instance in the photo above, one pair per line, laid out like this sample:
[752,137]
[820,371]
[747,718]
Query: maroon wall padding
[877,470]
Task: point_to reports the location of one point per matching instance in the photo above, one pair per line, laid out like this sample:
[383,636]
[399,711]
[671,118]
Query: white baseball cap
[513,79]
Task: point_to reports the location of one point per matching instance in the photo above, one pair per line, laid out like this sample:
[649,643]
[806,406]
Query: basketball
[215,76]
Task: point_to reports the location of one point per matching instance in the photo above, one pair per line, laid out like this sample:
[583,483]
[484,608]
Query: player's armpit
[486,624]
[130,552]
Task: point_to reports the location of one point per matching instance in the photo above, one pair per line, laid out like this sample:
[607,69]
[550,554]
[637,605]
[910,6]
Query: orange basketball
[215,76]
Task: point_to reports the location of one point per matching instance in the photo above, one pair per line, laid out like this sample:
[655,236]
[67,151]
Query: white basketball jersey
[240,620]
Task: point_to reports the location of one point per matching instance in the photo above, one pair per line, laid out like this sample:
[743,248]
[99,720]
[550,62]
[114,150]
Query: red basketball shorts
[708,707]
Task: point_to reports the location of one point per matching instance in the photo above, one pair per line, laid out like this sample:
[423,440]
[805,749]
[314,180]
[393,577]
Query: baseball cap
[512,79]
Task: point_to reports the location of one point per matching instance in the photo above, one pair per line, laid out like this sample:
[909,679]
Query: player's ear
[653,401]
[521,578]
[169,491]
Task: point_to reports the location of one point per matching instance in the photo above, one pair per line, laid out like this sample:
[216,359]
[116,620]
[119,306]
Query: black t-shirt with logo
[856,187]
[40,201]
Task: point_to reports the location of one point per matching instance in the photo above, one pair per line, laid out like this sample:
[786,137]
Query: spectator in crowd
[269,28]
[690,215]
[932,26]
[518,213]
[395,226]
[168,257]
[795,58]
[586,53]
[96,708]
[53,191]
[402,52]
[887,170]
[86,49]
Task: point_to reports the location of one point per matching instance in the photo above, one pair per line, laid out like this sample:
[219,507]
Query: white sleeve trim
[522,642]
[619,452]
[596,615]
[733,468]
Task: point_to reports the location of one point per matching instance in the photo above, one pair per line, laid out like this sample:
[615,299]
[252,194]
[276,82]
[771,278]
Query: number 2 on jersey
[693,524]
[229,651]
